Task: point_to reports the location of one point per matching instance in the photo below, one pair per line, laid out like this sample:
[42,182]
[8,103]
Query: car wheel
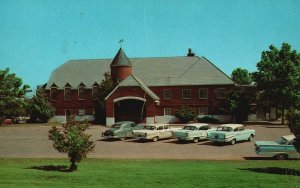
[122,138]
[232,142]
[250,138]
[154,139]
[195,140]
[281,156]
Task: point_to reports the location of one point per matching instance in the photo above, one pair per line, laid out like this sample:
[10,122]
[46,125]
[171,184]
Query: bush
[207,119]
[294,125]
[186,114]
[73,141]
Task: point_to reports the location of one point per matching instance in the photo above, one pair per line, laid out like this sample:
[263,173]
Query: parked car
[153,132]
[194,132]
[120,130]
[282,148]
[231,133]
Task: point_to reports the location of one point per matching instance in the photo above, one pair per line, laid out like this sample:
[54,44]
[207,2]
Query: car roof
[123,122]
[233,126]
[289,137]
[152,124]
[197,124]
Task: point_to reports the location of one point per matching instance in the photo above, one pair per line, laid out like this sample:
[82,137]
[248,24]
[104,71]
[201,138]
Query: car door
[241,134]
[167,131]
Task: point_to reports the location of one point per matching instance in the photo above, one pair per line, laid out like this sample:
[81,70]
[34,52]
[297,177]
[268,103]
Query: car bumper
[110,137]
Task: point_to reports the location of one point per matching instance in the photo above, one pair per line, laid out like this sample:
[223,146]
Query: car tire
[250,138]
[154,139]
[195,140]
[281,156]
[233,141]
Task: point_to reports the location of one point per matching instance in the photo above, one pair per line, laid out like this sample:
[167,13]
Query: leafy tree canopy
[241,76]
[12,94]
[278,76]
[73,141]
[105,88]
[39,107]
[294,125]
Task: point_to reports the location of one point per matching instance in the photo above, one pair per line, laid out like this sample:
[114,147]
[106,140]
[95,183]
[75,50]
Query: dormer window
[81,91]
[53,92]
[95,90]
[67,92]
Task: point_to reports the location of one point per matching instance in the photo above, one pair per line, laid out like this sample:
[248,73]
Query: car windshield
[116,126]
[149,127]
[281,141]
[189,127]
[228,129]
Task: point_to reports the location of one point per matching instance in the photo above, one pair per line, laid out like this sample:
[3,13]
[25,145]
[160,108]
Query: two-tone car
[192,132]
[120,130]
[231,133]
[282,148]
[153,132]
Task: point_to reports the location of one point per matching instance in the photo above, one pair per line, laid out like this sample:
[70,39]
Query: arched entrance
[130,109]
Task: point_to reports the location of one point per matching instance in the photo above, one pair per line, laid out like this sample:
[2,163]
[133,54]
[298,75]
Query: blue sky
[38,36]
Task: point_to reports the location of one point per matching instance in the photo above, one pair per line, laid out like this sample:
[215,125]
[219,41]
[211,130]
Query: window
[53,94]
[81,92]
[81,112]
[95,92]
[221,93]
[67,94]
[203,93]
[186,93]
[203,110]
[167,111]
[167,94]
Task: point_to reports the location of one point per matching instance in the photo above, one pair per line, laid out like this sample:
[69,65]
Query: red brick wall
[120,72]
[73,104]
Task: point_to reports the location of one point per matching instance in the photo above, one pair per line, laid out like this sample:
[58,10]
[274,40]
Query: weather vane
[120,42]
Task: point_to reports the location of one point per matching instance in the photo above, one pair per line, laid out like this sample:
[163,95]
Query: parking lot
[31,141]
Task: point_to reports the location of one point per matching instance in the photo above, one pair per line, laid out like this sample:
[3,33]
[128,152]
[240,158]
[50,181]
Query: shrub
[294,125]
[207,119]
[186,114]
[73,141]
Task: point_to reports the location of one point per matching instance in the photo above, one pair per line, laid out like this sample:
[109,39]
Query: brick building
[149,89]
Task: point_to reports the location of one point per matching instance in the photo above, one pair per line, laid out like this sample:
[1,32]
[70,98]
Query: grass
[149,173]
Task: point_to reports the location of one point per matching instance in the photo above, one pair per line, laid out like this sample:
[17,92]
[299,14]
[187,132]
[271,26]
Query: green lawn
[149,173]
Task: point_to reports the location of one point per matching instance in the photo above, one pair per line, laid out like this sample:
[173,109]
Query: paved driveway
[31,141]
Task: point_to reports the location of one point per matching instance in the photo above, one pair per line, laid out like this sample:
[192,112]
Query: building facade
[149,89]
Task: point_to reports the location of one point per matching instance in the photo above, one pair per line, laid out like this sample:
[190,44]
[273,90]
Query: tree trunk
[73,166]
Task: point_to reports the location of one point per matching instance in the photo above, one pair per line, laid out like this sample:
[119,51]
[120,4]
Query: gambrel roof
[153,71]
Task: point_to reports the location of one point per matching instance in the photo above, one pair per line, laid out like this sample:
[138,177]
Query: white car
[231,133]
[194,132]
[153,132]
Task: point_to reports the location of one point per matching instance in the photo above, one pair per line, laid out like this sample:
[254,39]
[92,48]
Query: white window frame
[164,94]
[203,89]
[223,96]
[81,112]
[93,96]
[65,94]
[167,109]
[51,93]
[190,91]
[79,93]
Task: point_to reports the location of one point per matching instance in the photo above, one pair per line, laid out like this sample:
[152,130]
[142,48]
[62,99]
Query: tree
[12,94]
[241,76]
[186,114]
[73,141]
[278,77]
[39,107]
[294,125]
[105,88]
[237,104]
